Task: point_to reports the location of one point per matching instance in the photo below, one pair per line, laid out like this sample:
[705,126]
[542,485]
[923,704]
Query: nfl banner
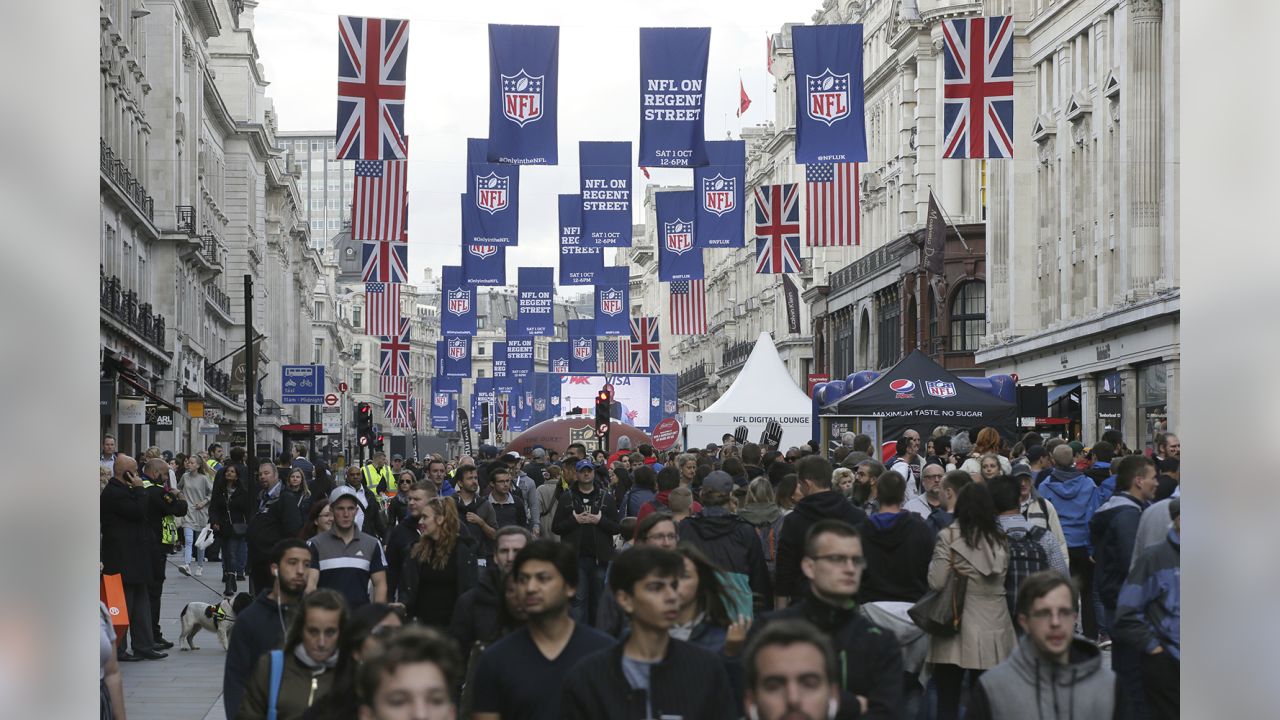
[579,263]
[604,172]
[440,382]
[613,302]
[678,257]
[484,264]
[535,301]
[502,380]
[669,404]
[539,405]
[720,220]
[673,80]
[444,408]
[582,346]
[519,352]
[829,111]
[524,64]
[558,358]
[490,214]
[457,303]
[457,357]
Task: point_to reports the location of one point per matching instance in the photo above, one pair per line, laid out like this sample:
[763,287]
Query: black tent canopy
[919,394]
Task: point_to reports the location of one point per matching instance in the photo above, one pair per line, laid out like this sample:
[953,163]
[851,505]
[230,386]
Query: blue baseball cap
[585,465]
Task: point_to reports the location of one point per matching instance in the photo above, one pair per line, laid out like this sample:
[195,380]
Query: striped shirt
[347,567]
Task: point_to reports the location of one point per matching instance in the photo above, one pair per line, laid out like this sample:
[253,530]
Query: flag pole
[950,222]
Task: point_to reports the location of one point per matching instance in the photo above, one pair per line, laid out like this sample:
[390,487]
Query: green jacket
[299,689]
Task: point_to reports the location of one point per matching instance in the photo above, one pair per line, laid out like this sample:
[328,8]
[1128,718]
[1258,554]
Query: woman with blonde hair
[440,566]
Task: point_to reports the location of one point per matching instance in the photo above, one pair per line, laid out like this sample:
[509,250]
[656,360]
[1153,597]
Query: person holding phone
[125,539]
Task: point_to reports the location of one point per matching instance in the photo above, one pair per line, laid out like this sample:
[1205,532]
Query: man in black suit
[126,542]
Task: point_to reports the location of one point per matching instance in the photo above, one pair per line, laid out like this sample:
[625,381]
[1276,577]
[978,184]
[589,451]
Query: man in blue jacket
[1075,496]
[1149,617]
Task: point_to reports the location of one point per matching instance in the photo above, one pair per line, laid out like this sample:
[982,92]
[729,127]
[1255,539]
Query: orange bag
[111,592]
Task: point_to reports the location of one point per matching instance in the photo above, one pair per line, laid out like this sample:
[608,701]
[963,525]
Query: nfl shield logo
[491,192]
[459,301]
[555,400]
[442,400]
[539,404]
[937,388]
[669,406]
[828,96]
[482,251]
[582,349]
[611,302]
[457,349]
[679,236]
[561,366]
[522,97]
[719,194]
[655,401]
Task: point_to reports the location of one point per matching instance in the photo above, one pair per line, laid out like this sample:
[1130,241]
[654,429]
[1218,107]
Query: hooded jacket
[766,519]
[1149,610]
[259,628]
[687,683]
[1028,687]
[733,547]
[601,534]
[789,581]
[1075,497]
[898,547]
[1112,532]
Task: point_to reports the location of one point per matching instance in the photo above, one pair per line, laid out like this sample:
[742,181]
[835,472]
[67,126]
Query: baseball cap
[346,491]
[397,456]
[1021,469]
[539,453]
[513,455]
[1076,446]
[718,480]
[584,465]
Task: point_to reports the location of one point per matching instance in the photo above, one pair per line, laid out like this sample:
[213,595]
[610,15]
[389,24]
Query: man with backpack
[1038,511]
[1032,549]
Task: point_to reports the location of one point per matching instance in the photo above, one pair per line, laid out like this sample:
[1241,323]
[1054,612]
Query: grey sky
[447,98]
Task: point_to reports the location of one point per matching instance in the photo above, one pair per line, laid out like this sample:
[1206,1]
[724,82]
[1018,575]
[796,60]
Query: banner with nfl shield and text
[524,65]
[829,102]
[458,303]
[613,302]
[491,216]
[673,81]
[604,172]
[678,257]
[582,346]
[579,263]
[720,220]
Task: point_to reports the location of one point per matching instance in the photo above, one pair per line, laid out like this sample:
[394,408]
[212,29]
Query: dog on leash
[217,619]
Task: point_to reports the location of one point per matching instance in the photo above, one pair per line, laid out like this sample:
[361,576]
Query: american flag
[395,352]
[381,308]
[777,229]
[380,200]
[615,353]
[977,105]
[832,205]
[385,261]
[645,347]
[372,55]
[393,384]
[688,307]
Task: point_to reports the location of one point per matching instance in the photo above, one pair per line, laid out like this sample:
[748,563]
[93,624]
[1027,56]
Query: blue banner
[443,383]
[457,357]
[579,263]
[667,399]
[444,408]
[535,301]
[502,380]
[524,65]
[558,357]
[829,110]
[720,187]
[519,351]
[457,303]
[613,302]
[484,264]
[604,172]
[582,346]
[541,408]
[491,206]
[679,258]
[673,83]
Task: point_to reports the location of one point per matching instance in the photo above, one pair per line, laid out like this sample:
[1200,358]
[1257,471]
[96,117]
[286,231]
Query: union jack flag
[777,229]
[372,55]
[385,261]
[395,351]
[645,348]
[977,106]
[380,201]
[395,408]
[615,354]
[502,418]
[688,307]
[381,308]
[831,205]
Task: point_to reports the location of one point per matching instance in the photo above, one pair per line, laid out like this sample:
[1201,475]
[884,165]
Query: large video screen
[630,396]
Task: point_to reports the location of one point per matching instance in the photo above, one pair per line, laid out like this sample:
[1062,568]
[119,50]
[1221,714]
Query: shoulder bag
[939,611]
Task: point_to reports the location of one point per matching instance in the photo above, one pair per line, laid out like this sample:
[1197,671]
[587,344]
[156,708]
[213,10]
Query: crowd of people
[725,582]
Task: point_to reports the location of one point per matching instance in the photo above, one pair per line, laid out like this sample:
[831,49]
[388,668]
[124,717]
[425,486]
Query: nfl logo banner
[457,357]
[673,79]
[442,383]
[457,303]
[535,301]
[829,111]
[678,257]
[482,264]
[579,263]
[492,215]
[613,304]
[444,407]
[604,173]
[720,219]
[502,380]
[524,62]
[940,389]
[558,358]
[519,352]
[582,346]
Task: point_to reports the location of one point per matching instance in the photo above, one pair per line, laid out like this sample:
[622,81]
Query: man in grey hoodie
[1052,670]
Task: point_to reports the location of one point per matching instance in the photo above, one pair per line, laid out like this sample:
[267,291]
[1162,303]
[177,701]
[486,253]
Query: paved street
[186,685]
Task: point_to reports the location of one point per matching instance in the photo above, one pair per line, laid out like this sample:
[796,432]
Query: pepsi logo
[902,386]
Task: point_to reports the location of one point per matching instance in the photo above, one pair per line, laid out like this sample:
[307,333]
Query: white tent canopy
[763,391]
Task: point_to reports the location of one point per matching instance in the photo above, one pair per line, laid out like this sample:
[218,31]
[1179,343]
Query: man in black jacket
[729,541]
[403,536]
[820,502]
[125,542]
[587,520]
[648,674]
[898,546]
[870,661]
[161,504]
[475,616]
[277,518]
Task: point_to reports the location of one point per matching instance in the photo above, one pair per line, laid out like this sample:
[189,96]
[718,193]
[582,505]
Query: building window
[480,374]
[315,146]
[357,383]
[479,348]
[843,359]
[357,351]
[968,316]
[355,316]
[888,330]
[318,355]
[319,309]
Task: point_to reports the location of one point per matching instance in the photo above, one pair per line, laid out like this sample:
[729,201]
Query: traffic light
[377,442]
[364,424]
[604,399]
[484,421]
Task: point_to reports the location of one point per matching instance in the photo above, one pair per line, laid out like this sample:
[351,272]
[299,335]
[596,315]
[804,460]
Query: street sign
[331,423]
[342,388]
[331,400]
[131,410]
[160,418]
[301,384]
[239,437]
[665,434]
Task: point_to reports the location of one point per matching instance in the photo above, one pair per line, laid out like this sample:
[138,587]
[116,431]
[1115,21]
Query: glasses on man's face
[933,476]
[660,537]
[842,560]
[1062,614]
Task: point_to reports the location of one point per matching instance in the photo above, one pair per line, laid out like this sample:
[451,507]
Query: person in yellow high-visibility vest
[379,477]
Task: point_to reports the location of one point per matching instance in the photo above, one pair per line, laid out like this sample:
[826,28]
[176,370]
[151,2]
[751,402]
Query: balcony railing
[123,305]
[218,380]
[737,353]
[212,249]
[691,378]
[116,171]
[186,219]
[218,298]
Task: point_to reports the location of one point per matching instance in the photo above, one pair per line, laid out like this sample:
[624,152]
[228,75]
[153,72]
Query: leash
[221,597]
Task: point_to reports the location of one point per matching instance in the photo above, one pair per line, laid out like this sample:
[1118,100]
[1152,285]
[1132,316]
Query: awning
[137,385]
[1060,391]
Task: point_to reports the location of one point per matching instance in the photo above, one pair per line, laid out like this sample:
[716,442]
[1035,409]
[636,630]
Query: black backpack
[1026,558]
